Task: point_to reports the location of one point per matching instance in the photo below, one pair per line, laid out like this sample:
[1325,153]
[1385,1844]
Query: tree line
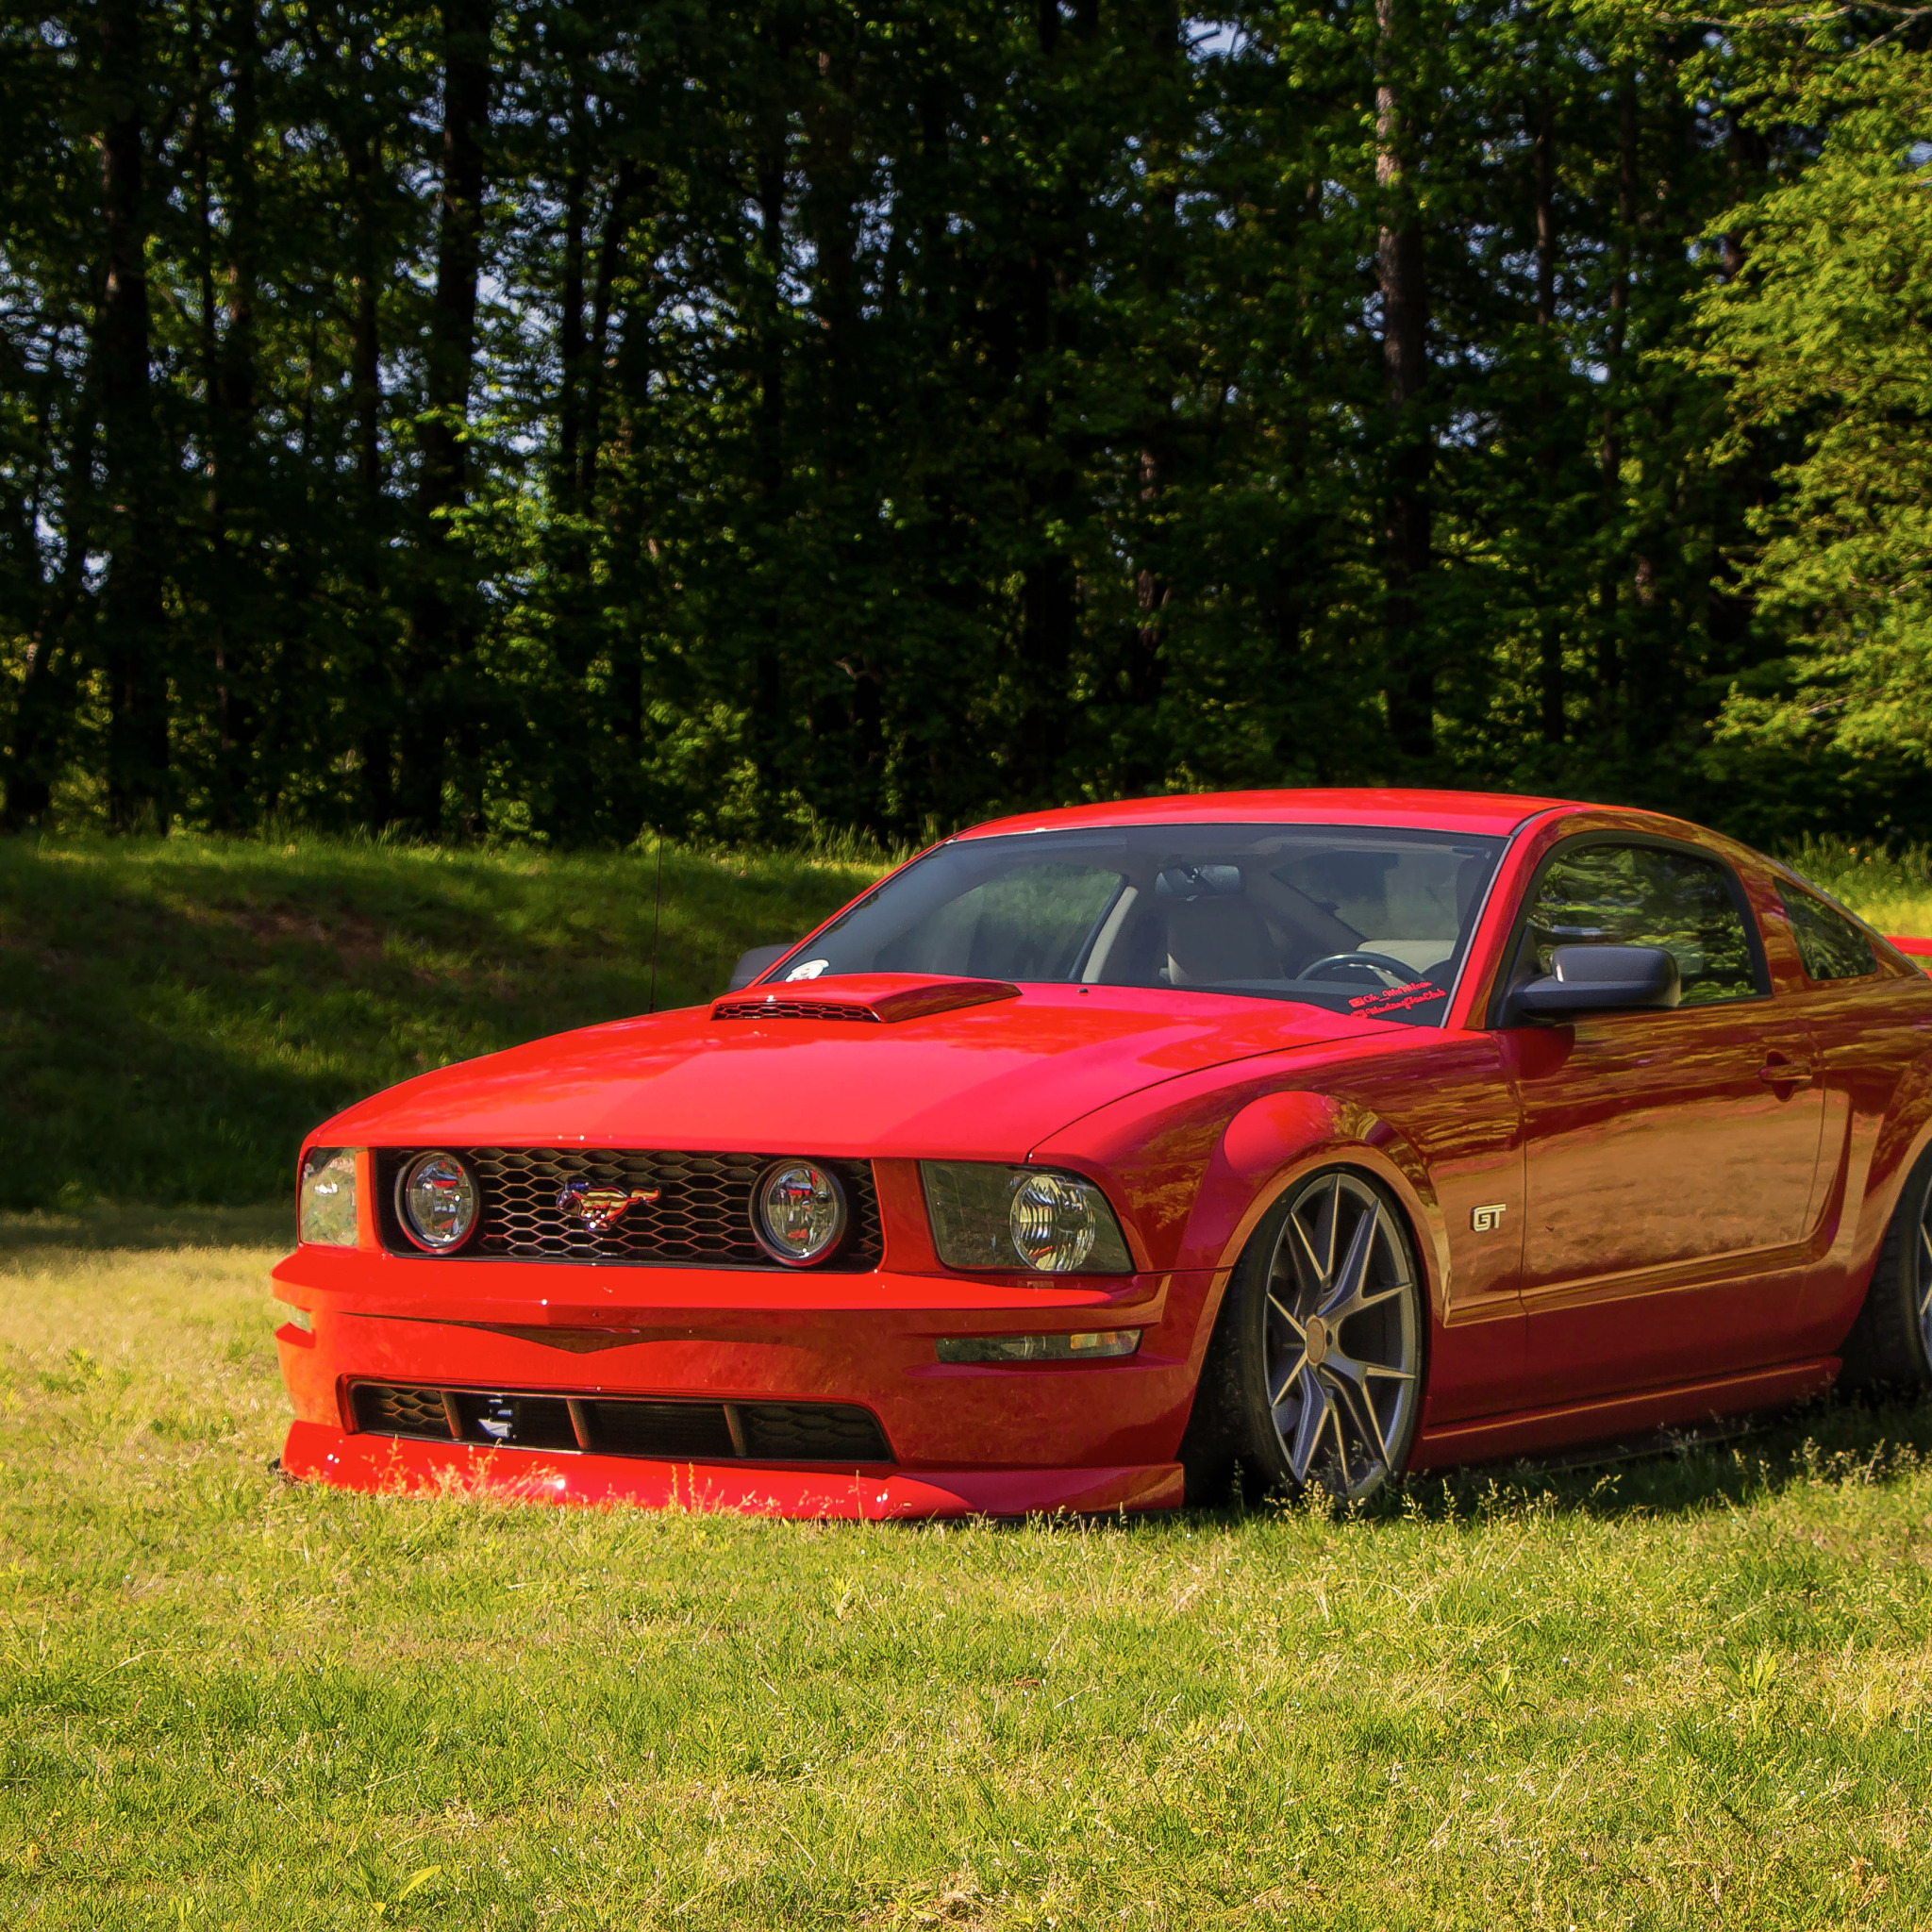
[508,418]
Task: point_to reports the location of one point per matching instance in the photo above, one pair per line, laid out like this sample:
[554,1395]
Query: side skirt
[1529,1432]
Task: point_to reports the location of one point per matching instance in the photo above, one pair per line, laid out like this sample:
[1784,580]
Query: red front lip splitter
[317,1453]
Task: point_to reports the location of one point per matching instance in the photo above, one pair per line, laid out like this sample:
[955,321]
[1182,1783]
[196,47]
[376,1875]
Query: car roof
[1490,812]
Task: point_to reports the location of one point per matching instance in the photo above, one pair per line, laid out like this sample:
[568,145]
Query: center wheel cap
[1317,1340]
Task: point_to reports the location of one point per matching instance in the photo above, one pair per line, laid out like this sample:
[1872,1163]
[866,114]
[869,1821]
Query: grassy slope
[175,1015]
[1693,1695]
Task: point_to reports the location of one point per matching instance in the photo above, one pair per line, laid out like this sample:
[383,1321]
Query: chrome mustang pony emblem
[600,1208]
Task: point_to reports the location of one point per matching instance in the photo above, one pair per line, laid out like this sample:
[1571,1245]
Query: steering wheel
[1399,974]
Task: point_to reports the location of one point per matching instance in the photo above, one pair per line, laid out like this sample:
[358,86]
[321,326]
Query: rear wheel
[1315,1372]
[1891,1343]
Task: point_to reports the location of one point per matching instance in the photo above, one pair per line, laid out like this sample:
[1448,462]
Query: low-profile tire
[1314,1374]
[1891,1343]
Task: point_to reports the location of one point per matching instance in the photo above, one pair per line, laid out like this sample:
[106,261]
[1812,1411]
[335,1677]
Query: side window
[1644,895]
[1829,944]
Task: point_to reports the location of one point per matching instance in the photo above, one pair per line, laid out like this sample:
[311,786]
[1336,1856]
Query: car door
[1669,1156]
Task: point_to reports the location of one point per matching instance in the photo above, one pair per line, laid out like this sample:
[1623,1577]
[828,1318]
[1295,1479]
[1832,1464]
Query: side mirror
[755,961]
[1599,979]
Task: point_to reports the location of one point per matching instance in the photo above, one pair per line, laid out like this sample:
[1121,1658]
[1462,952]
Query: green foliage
[1686,1692]
[1823,335]
[175,1015]
[849,416]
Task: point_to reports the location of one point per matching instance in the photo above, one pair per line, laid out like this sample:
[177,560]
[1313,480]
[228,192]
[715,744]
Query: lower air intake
[677,1431]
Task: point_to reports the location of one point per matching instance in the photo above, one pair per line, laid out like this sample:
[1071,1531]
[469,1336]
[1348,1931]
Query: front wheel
[1315,1372]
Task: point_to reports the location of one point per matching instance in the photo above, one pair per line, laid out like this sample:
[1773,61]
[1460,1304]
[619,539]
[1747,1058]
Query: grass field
[1687,1694]
[175,1014]
[1691,1693]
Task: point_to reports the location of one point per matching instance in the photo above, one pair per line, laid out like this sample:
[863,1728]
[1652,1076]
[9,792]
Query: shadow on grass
[104,1226]
[1838,1442]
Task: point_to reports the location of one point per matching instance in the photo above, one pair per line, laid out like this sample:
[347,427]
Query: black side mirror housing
[759,960]
[1600,979]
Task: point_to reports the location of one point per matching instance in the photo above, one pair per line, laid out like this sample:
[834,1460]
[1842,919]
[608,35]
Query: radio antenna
[656,915]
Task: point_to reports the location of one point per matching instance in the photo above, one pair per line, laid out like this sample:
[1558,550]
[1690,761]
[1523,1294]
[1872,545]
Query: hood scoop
[870,998]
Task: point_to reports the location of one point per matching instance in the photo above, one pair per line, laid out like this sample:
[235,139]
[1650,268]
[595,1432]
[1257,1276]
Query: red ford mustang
[1094,1157]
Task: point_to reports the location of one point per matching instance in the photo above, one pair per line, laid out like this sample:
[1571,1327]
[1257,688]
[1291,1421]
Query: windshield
[1355,919]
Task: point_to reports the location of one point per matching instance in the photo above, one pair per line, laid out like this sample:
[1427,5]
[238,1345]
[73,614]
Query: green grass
[175,1015]
[1685,1693]
[1891,889]
[1691,1693]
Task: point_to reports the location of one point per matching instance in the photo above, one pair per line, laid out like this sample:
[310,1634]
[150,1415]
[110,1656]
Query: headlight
[1022,1217]
[799,1212]
[436,1202]
[325,1198]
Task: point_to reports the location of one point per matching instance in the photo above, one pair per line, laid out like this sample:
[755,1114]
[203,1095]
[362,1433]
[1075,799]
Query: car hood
[989,1082]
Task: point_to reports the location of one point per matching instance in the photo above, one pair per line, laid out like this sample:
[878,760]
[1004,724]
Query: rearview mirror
[755,961]
[1599,979]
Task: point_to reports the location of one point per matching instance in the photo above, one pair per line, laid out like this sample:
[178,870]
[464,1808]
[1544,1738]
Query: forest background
[519,420]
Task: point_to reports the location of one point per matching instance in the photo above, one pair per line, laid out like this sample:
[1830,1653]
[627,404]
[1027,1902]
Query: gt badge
[1486,1220]
[600,1208]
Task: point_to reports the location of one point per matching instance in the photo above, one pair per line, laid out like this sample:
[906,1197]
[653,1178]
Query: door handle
[1779,1071]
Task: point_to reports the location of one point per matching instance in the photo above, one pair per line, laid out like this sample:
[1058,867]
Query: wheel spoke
[1278,1385]
[1346,1283]
[1334,1417]
[1307,1264]
[1280,1307]
[1329,1227]
[1361,1409]
[1307,1424]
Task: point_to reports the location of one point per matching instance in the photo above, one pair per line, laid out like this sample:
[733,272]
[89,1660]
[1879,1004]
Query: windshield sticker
[1395,999]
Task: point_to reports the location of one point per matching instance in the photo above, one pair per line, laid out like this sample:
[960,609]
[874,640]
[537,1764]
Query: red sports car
[1096,1155]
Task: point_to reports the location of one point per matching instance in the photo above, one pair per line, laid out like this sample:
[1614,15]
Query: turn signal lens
[1022,1217]
[325,1198]
[799,1212]
[1040,1348]
[436,1202]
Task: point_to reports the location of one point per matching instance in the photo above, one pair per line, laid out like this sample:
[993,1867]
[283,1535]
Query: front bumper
[1006,1439]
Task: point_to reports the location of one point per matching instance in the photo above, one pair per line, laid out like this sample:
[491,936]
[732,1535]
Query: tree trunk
[133,619]
[440,625]
[231,438]
[768,732]
[611,254]
[1611,446]
[570,332]
[46,693]
[1549,454]
[377,746]
[1401,274]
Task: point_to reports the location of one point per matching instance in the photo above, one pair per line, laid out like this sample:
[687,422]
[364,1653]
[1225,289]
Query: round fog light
[436,1202]
[799,1212]
[1053,1222]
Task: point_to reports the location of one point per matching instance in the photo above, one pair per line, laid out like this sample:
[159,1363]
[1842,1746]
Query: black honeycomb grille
[700,1215]
[673,1430]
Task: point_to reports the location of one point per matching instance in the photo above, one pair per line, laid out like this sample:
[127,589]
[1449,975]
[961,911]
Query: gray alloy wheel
[1315,1372]
[1891,1343]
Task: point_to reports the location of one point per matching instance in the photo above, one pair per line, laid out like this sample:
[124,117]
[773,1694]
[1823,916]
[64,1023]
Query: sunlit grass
[1684,1693]
[1891,888]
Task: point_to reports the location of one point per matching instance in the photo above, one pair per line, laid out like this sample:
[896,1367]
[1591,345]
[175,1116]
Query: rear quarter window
[1828,943]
